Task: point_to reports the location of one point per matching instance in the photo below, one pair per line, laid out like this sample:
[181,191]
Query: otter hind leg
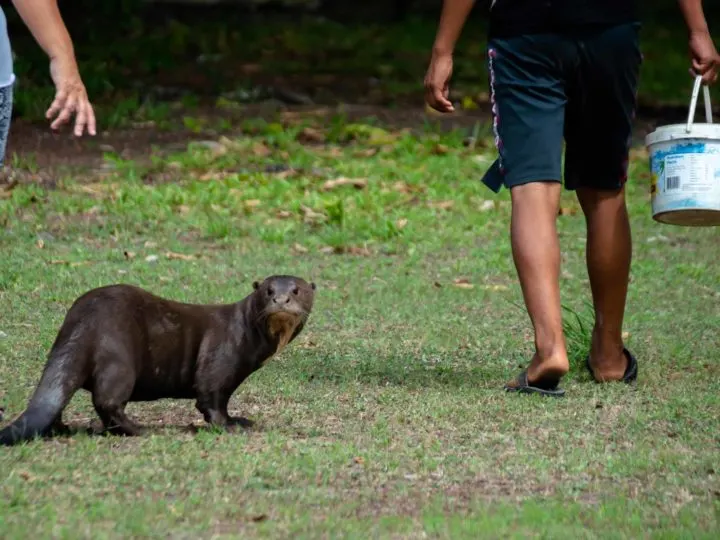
[111,392]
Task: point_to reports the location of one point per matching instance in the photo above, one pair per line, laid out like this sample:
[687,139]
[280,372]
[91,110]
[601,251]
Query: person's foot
[552,367]
[541,376]
[608,362]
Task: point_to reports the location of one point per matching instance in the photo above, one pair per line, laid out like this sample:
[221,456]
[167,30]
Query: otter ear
[312,285]
[256,285]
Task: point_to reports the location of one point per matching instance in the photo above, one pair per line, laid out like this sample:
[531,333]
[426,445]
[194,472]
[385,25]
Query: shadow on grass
[95,429]
[429,369]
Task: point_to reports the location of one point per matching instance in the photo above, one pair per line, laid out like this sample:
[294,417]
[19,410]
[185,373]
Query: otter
[124,344]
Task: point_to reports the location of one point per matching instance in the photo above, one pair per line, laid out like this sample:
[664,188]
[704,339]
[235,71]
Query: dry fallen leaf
[353,250]
[358,183]
[332,151]
[463,283]
[252,203]
[359,460]
[283,214]
[179,256]
[259,149]
[40,243]
[401,223]
[567,211]
[299,248]
[625,335]
[401,187]
[440,149]
[249,69]
[213,175]
[495,287]
[311,135]
[311,215]
[25,476]
[69,263]
[487,205]
[367,152]
[442,205]
[287,173]
[129,254]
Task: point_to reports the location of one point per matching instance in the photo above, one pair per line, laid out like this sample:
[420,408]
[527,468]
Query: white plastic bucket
[685,169]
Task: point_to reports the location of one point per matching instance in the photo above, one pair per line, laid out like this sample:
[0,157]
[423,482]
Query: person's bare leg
[536,253]
[608,255]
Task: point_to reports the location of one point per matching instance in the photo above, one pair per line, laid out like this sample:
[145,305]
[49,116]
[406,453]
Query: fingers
[706,70]
[68,102]
[437,96]
[436,84]
[57,104]
[85,117]
[80,119]
[90,118]
[441,102]
[66,110]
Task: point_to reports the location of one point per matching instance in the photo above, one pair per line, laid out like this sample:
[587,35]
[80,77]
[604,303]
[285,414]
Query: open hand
[704,57]
[70,97]
[437,81]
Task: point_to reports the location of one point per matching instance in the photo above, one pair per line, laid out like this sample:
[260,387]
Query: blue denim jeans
[6,105]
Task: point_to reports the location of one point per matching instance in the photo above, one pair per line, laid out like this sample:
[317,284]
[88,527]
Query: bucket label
[685,180]
[690,173]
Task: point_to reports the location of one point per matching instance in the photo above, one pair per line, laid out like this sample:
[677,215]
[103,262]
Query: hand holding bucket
[685,168]
[693,103]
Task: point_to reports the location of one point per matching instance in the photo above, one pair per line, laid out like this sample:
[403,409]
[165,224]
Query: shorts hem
[532,180]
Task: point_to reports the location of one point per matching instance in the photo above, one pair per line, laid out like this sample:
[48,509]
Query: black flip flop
[631,371]
[545,388]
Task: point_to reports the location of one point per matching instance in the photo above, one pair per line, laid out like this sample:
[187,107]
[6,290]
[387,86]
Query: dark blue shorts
[550,89]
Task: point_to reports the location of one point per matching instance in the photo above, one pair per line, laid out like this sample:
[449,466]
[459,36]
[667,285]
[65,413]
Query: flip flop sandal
[545,388]
[631,371]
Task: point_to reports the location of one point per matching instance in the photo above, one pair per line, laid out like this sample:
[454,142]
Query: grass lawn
[386,418]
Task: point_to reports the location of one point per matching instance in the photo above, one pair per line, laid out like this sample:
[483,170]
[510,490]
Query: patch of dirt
[54,153]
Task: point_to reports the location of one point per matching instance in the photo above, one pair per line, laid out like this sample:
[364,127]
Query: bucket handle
[693,103]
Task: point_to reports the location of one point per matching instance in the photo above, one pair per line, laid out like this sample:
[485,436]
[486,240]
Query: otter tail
[54,391]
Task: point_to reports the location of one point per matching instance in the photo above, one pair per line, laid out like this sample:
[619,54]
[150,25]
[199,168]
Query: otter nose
[281,299]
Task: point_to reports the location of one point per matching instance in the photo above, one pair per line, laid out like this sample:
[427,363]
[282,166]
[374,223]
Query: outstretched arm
[43,19]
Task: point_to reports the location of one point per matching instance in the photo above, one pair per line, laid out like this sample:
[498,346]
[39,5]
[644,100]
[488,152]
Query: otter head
[285,303]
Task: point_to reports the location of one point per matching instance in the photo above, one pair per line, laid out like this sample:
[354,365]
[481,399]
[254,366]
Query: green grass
[136,64]
[386,418]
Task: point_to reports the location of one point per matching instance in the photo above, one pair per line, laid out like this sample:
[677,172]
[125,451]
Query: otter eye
[295,291]
[270,291]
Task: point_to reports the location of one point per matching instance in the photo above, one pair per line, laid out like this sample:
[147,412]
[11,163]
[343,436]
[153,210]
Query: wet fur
[124,344]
